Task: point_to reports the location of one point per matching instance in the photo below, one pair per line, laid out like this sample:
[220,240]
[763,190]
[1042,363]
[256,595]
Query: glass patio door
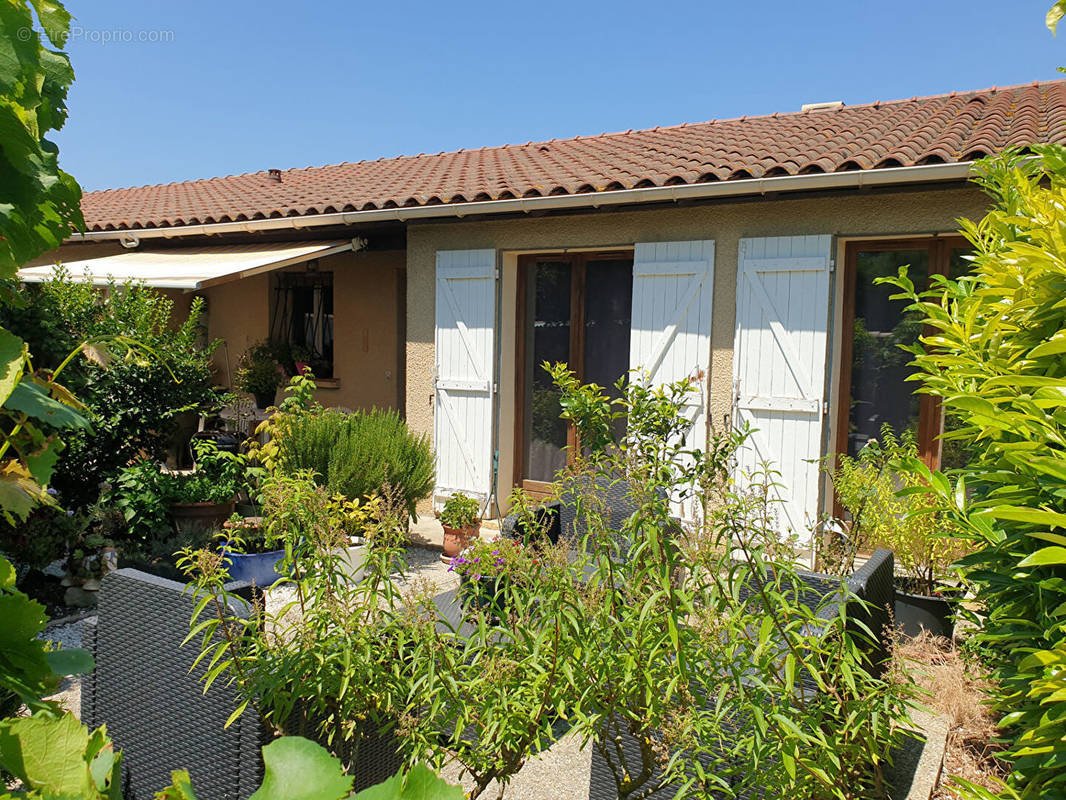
[874,370]
[573,308]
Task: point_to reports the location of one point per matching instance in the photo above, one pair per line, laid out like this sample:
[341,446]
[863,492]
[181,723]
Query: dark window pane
[880,392]
[547,339]
[608,312]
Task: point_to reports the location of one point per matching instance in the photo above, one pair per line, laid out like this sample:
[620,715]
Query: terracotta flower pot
[457,539]
[193,520]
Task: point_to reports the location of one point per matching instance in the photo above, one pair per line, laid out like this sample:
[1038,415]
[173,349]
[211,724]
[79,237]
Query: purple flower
[51,491]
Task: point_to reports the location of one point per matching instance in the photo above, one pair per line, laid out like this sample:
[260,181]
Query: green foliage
[120,394]
[27,670]
[39,203]
[995,358]
[643,630]
[56,757]
[46,534]
[712,611]
[460,512]
[299,769]
[143,492]
[259,372]
[357,455]
[889,509]
[1055,15]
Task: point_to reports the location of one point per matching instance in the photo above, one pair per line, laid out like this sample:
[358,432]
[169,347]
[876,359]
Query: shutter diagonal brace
[678,315]
[464,332]
[792,359]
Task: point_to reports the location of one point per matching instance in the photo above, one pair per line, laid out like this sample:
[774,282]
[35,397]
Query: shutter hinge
[496,273]
[832,265]
[825,408]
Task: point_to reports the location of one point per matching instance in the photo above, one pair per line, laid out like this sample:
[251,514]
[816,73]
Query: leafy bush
[358,455]
[460,511]
[47,534]
[133,402]
[995,358]
[143,492]
[888,510]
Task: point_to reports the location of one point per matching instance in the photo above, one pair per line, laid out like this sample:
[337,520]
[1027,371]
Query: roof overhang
[821,181]
[189,268]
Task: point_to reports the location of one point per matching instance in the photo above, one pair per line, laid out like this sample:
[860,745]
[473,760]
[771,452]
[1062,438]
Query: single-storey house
[743,251]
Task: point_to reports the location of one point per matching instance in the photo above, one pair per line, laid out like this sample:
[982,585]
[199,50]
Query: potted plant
[461,520]
[887,508]
[252,556]
[296,510]
[486,570]
[260,373]
[201,500]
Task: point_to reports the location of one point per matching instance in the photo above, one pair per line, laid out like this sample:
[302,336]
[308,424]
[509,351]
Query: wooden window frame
[930,418]
[526,262]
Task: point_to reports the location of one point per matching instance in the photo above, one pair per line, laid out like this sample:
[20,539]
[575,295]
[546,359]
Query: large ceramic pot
[257,568]
[917,612]
[458,539]
[196,520]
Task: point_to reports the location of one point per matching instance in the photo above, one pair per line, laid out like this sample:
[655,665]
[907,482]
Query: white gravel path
[67,635]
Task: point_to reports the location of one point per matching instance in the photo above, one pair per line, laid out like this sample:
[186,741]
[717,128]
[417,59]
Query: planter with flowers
[487,570]
[461,520]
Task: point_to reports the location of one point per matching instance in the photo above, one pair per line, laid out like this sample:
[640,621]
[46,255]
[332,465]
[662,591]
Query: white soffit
[188,268]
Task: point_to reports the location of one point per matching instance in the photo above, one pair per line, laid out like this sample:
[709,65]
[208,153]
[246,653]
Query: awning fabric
[188,268]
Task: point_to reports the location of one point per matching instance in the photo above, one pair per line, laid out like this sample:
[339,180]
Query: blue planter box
[257,568]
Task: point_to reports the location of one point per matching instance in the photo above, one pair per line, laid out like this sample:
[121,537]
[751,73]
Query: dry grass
[958,691]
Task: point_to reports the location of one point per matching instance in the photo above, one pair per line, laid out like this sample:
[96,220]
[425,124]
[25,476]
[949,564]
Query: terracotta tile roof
[960,126]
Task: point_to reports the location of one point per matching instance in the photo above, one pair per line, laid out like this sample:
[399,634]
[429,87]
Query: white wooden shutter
[466,320]
[779,363]
[673,287]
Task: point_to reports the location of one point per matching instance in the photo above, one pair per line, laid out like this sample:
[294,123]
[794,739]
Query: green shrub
[133,403]
[906,523]
[995,358]
[460,511]
[359,455]
[260,371]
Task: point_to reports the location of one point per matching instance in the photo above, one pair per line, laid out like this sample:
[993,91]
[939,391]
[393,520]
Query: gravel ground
[67,635]
[560,772]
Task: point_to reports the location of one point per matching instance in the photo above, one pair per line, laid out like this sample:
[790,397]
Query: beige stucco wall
[852,215]
[365,315]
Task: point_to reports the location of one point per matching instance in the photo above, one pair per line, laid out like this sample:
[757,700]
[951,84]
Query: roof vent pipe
[827,106]
[275,174]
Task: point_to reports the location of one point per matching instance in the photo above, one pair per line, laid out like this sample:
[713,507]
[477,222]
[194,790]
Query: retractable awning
[188,268]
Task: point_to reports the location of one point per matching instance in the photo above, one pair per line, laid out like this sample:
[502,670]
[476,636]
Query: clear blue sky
[236,86]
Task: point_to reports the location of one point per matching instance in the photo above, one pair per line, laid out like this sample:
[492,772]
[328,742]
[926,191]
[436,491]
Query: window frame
[283,286]
[930,416]
[526,263]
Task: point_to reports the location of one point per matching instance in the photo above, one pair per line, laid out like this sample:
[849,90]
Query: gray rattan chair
[156,710]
